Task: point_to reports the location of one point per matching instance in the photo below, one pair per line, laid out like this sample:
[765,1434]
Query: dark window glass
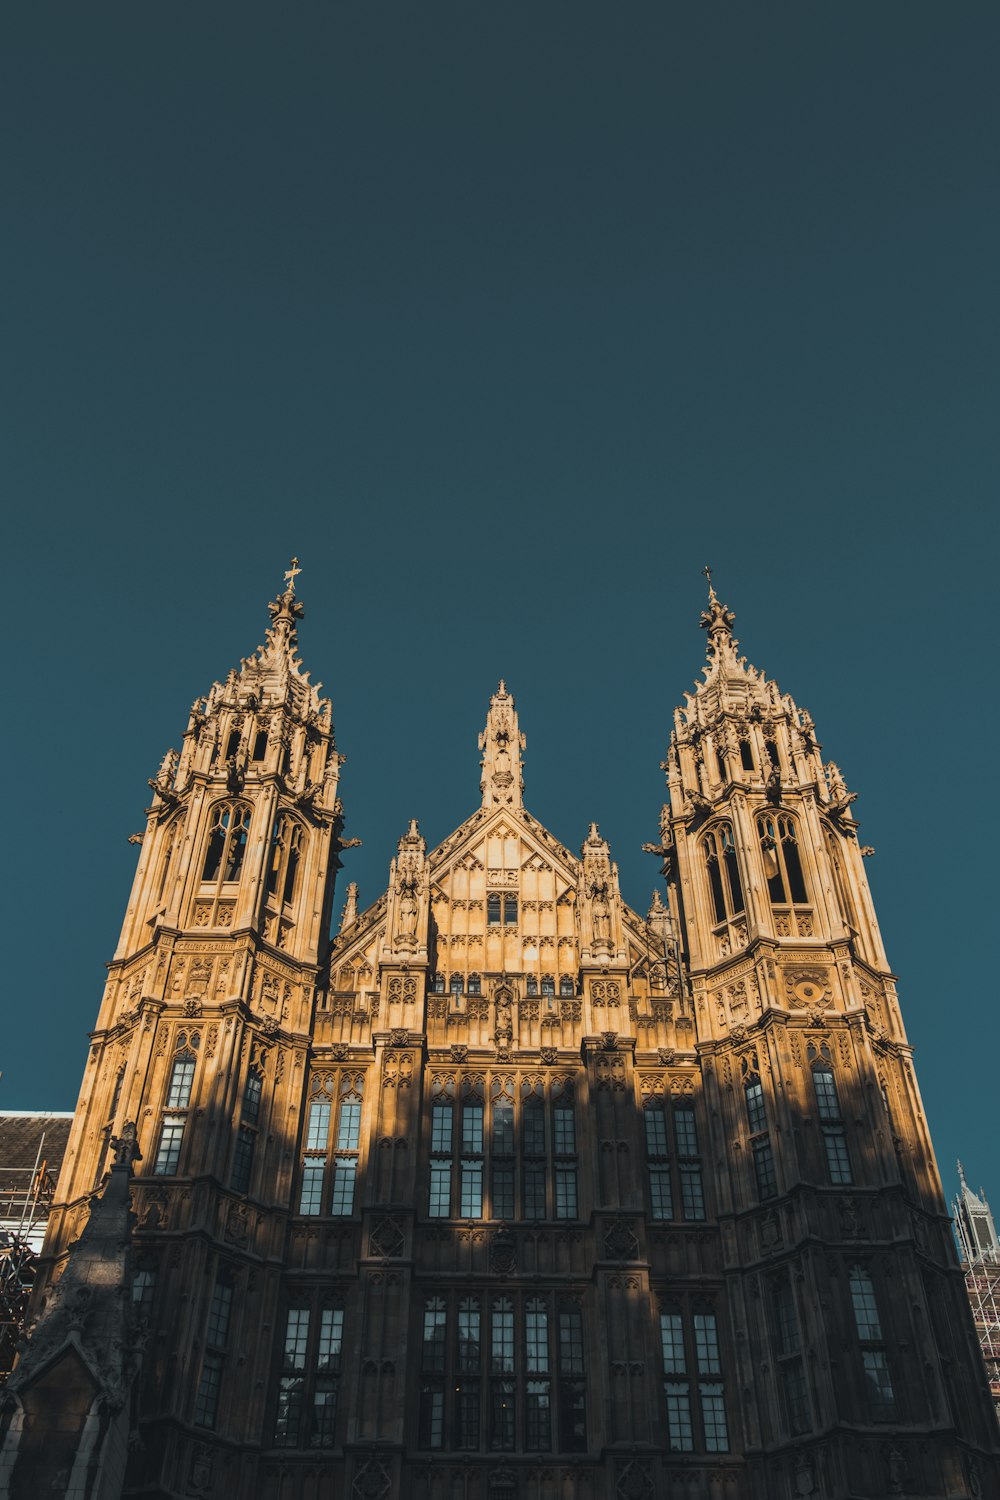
[534,1190]
[168,1155]
[566,1206]
[566,986]
[548,985]
[493,911]
[472,1127]
[656,1130]
[472,1189]
[756,1115]
[692,1193]
[685,1130]
[510,911]
[531,988]
[435,1335]
[467,1414]
[537,1416]
[242,1160]
[715,882]
[260,745]
[570,1341]
[572,1417]
[713,1416]
[468,1335]
[251,1097]
[431,1416]
[439,1199]
[207,1399]
[457,984]
[660,1194]
[564,1130]
[679,1429]
[181,1080]
[503,1129]
[763,1166]
[827,1103]
[503,1190]
[837,1160]
[503,1414]
[746,755]
[793,865]
[533,1126]
[475,985]
[441,1126]
[793,1386]
[343,1188]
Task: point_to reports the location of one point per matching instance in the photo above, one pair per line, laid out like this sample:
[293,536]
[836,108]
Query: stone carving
[237,1230]
[634,1481]
[501,743]
[620,1242]
[371,1481]
[386,1239]
[503,1253]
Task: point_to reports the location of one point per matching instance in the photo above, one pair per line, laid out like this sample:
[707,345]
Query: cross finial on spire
[291,575]
[707,570]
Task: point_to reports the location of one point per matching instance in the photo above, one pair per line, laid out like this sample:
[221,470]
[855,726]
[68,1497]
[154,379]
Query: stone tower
[508,1191]
[832,1236]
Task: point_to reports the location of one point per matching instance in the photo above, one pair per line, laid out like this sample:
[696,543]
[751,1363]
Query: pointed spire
[350,913]
[716,619]
[501,743]
[286,611]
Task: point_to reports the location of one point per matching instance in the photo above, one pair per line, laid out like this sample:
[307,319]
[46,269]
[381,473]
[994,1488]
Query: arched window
[722,864]
[169,843]
[782,864]
[548,984]
[475,985]
[227,843]
[286,851]
[531,987]
[566,985]
[457,985]
[746,755]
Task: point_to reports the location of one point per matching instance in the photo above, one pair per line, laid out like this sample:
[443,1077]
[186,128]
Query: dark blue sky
[505,319]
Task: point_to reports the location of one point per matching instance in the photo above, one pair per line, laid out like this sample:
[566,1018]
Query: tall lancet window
[227,844]
[721,862]
[283,866]
[782,863]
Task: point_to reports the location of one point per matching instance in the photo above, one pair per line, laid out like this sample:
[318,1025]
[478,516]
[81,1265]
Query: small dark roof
[21,1133]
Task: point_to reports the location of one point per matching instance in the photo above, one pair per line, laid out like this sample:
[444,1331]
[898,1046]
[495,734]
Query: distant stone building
[979,1247]
[32,1146]
[509,1191]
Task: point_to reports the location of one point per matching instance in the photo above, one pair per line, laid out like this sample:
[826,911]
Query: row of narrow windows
[507,1373]
[782,866]
[519,1161]
[472,984]
[225,851]
[748,760]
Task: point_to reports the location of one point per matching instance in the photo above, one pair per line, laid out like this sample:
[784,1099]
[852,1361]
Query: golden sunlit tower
[850,1334]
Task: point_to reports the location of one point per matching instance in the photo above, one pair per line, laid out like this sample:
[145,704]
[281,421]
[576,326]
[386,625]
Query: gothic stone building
[509,1190]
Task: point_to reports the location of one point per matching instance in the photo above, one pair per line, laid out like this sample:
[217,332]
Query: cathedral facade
[508,1191]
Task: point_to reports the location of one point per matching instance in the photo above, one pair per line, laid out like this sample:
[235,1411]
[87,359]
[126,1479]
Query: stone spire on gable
[501,742]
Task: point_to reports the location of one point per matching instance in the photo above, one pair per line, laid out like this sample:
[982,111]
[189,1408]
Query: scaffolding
[26,1195]
[979,1246]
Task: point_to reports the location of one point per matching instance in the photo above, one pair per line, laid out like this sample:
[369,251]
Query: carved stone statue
[408,907]
[600,912]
